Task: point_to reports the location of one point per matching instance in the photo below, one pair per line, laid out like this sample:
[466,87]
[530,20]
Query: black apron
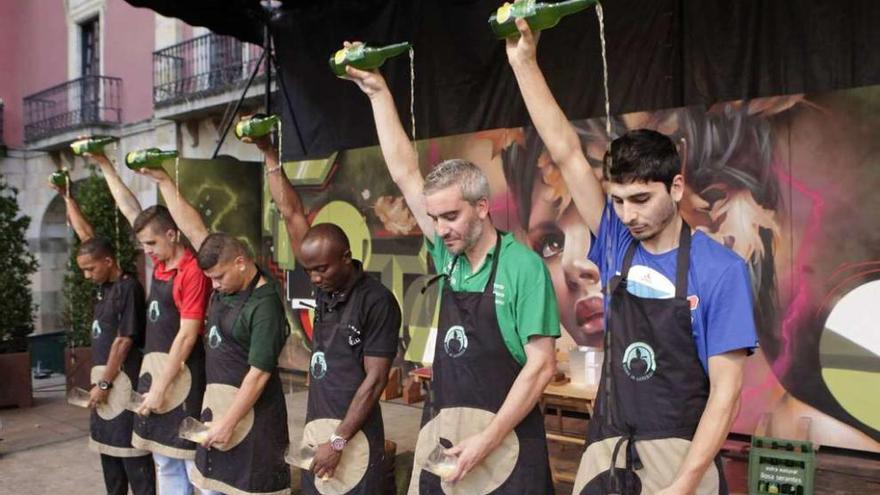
[112,436]
[158,432]
[254,463]
[652,393]
[336,372]
[474,370]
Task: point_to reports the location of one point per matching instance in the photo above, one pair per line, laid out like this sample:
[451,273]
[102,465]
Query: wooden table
[567,398]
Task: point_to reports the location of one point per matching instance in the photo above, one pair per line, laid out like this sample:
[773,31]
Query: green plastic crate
[781,466]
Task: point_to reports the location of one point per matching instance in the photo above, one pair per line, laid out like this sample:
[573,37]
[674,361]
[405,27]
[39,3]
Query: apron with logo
[336,372]
[111,422]
[252,462]
[158,432]
[473,372]
[652,393]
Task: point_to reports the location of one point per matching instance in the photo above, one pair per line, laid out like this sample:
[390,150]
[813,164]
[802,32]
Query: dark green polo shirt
[261,327]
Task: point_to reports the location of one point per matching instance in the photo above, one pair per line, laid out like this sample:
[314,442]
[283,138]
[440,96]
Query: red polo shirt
[191,289]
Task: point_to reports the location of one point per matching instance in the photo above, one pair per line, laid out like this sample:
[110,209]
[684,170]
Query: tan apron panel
[661,459]
[178,389]
[455,424]
[353,464]
[219,398]
[118,397]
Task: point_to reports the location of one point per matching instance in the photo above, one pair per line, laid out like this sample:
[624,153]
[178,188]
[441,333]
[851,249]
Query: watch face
[337,443]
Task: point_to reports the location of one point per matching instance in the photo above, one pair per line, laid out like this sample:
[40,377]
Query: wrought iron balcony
[83,102]
[200,67]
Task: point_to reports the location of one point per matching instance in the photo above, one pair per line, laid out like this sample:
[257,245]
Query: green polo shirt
[261,327]
[525,303]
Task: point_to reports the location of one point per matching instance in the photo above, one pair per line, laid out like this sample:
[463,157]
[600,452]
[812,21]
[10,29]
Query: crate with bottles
[781,466]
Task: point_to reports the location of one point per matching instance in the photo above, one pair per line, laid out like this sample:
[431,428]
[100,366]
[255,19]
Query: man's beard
[666,215]
[475,230]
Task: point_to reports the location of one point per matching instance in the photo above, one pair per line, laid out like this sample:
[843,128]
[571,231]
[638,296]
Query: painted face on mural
[646,208]
[157,244]
[459,223]
[557,234]
[98,270]
[328,267]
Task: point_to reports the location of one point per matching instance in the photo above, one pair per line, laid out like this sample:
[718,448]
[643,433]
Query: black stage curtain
[661,54]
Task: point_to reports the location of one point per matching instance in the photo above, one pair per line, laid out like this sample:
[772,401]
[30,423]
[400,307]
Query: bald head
[325,255]
[327,236]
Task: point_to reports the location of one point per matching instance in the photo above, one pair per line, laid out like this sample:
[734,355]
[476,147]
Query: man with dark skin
[355,339]
[116,336]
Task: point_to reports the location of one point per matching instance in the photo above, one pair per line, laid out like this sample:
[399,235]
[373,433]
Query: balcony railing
[200,67]
[83,102]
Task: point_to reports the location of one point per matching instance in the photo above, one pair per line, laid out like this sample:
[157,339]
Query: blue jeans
[172,476]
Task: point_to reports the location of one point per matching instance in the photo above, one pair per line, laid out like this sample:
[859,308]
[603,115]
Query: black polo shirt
[125,298]
[375,317]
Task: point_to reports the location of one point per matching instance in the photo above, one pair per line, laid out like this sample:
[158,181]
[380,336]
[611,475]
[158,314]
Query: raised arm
[284,194]
[400,154]
[556,131]
[81,226]
[187,218]
[125,199]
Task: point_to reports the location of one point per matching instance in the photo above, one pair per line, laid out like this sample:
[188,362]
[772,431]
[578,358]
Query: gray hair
[471,181]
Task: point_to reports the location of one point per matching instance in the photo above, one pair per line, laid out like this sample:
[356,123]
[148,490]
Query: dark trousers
[119,472]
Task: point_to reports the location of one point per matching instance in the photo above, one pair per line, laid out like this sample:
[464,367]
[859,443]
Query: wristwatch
[337,442]
[104,385]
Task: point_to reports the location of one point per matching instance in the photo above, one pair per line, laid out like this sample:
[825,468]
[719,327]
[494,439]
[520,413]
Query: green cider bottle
[361,56]
[59,178]
[93,144]
[539,15]
[148,158]
[257,126]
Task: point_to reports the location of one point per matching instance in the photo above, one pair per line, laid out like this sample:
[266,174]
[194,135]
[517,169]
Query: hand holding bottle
[156,174]
[371,82]
[59,180]
[522,49]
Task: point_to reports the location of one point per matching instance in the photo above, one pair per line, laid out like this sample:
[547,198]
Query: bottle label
[519,8]
[340,55]
[503,14]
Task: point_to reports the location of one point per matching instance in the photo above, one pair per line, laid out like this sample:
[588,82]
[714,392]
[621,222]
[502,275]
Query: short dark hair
[158,216]
[97,248]
[220,248]
[642,155]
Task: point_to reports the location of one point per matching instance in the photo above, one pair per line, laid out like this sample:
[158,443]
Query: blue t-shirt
[718,285]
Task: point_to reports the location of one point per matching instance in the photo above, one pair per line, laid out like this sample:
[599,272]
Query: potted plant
[17,307]
[97,205]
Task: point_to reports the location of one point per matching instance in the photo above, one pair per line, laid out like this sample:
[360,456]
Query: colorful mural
[786,182]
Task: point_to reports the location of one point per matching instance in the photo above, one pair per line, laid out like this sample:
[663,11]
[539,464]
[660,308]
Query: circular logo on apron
[96,329]
[638,361]
[318,366]
[153,313]
[455,343]
[214,337]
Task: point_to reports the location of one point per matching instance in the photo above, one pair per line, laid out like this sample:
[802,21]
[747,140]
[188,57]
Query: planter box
[78,369]
[15,386]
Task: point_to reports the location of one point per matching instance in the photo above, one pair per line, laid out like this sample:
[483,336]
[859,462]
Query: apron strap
[246,294]
[683,261]
[431,281]
[490,285]
[681,266]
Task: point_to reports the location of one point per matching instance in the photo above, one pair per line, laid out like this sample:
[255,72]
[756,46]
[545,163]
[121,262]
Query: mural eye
[550,245]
